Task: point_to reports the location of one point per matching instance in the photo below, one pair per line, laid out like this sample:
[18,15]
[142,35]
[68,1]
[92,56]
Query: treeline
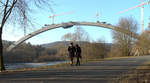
[30,53]
[90,51]
[37,53]
[126,45]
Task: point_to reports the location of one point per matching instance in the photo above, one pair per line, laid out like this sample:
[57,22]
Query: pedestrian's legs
[78,61]
[71,60]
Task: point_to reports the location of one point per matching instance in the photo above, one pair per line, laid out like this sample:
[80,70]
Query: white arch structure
[68,25]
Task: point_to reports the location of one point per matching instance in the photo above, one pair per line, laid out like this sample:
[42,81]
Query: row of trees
[30,53]
[126,45]
[37,53]
[93,50]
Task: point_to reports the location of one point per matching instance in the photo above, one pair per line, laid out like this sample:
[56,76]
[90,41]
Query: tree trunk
[2,68]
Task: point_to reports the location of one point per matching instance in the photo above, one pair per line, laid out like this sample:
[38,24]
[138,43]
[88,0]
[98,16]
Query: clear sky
[83,10]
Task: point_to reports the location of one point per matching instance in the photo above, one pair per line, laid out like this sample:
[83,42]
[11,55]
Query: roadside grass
[140,75]
[62,65]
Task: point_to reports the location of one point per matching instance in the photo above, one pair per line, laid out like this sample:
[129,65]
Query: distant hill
[55,44]
[66,43]
[58,43]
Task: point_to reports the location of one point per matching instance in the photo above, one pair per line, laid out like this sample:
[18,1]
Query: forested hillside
[52,51]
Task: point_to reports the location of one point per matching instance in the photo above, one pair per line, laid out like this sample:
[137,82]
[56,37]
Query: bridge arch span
[68,25]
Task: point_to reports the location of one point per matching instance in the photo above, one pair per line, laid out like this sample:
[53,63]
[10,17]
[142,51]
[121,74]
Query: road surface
[94,72]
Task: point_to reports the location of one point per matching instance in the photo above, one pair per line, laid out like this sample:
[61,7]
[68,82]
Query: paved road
[95,72]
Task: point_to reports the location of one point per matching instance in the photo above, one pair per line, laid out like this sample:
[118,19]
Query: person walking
[78,54]
[71,50]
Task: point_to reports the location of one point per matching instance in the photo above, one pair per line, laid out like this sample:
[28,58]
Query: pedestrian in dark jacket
[71,50]
[78,54]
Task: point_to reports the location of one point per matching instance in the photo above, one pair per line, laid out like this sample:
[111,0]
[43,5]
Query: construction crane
[54,15]
[142,11]
[97,16]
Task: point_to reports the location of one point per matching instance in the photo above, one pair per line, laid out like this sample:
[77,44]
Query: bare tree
[79,35]
[67,37]
[123,41]
[17,12]
[142,46]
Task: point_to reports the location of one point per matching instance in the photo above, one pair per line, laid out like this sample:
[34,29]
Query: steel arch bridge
[68,25]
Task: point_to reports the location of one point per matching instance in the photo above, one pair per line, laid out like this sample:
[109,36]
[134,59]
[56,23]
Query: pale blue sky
[84,10]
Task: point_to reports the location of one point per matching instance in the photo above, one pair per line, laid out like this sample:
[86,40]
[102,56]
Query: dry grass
[140,75]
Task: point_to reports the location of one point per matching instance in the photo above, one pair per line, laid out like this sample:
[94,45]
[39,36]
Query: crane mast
[142,12]
[142,16]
